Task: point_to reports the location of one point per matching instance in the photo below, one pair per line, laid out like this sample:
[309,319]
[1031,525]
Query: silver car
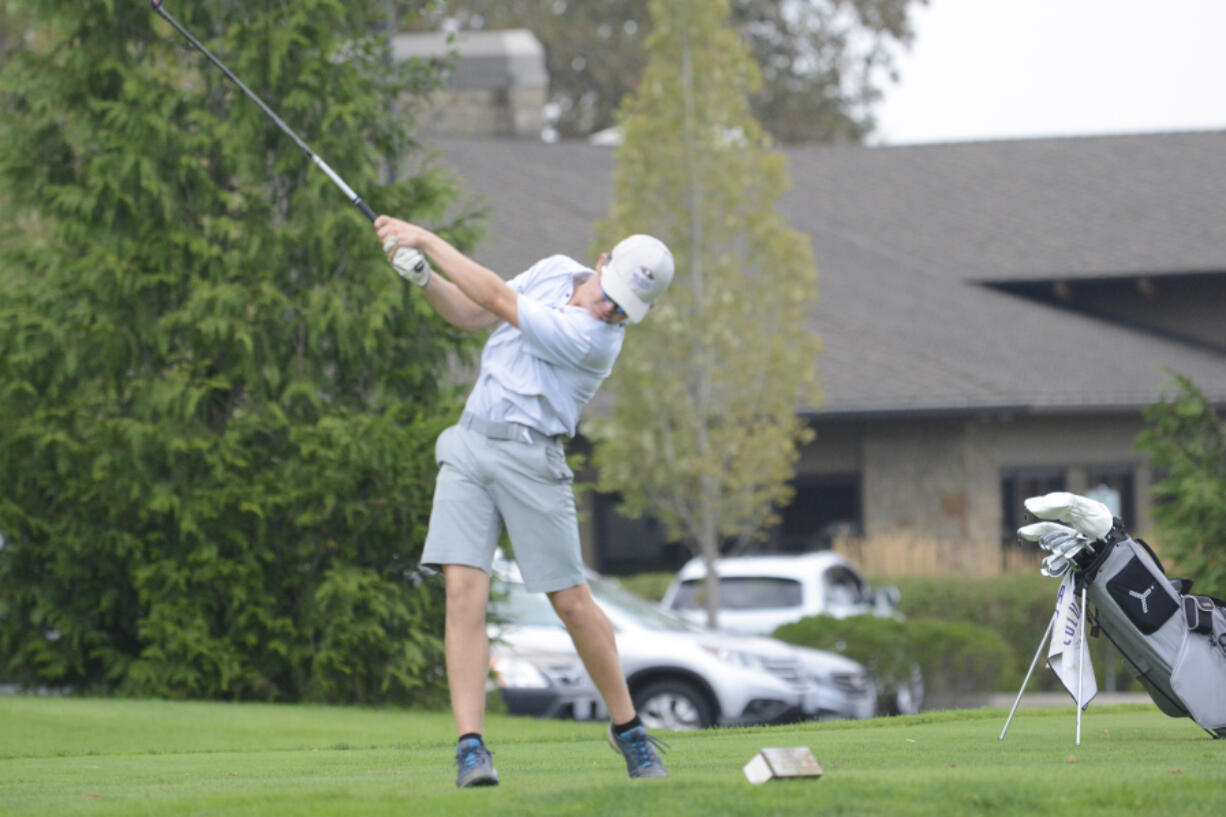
[680,676]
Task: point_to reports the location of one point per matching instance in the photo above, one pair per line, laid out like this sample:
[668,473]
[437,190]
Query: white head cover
[638,271]
[1088,516]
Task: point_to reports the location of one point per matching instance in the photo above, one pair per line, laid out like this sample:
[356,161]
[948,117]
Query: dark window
[1113,486]
[625,545]
[824,507]
[1016,485]
[741,593]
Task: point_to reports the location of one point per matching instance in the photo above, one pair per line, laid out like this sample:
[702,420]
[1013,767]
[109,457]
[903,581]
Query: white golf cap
[638,271]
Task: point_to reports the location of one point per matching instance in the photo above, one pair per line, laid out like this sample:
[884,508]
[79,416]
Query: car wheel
[673,705]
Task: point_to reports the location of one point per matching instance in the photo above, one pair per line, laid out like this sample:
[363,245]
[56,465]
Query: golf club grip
[365,208]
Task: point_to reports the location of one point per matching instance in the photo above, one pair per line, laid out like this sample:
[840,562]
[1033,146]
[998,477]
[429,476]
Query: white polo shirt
[543,373]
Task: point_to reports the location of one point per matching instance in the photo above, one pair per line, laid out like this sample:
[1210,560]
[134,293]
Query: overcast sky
[993,69]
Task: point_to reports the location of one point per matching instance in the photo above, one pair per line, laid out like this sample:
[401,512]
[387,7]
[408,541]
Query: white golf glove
[408,262]
[1089,516]
[1061,541]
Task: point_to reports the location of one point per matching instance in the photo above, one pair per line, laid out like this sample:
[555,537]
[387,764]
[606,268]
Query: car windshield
[741,593]
[615,599]
[844,587]
[512,604]
[515,605]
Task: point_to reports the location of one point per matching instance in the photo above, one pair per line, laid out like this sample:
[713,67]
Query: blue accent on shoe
[640,751]
[475,764]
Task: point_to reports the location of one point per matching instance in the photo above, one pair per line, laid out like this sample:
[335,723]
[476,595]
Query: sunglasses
[616,307]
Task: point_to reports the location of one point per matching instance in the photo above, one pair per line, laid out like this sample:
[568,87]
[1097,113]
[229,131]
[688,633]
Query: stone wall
[505,112]
[941,478]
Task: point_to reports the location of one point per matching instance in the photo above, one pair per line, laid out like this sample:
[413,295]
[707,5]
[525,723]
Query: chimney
[498,88]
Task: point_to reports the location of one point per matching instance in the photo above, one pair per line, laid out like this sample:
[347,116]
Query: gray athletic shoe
[476,767]
[639,750]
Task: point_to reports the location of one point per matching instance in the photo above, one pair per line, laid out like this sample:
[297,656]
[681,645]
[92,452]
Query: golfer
[561,326]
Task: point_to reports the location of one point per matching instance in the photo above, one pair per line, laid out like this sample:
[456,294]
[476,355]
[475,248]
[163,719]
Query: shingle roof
[903,239]
[1029,209]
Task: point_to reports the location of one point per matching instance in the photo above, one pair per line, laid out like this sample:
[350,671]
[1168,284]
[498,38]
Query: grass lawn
[111,757]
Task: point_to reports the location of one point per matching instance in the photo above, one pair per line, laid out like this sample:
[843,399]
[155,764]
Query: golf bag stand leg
[1042,641]
[1081,663]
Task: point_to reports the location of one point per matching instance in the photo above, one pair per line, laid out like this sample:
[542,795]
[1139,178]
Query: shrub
[1016,608]
[956,658]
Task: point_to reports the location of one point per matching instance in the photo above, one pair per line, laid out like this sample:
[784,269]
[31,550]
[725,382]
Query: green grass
[111,757]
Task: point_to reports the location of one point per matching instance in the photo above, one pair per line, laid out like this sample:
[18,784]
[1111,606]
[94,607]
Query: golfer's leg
[467,648]
[592,633]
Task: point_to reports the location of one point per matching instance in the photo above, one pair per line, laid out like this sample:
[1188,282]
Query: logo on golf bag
[1133,590]
[1144,597]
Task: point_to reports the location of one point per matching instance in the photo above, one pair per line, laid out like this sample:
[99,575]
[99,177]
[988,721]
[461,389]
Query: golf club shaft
[346,189]
[1081,667]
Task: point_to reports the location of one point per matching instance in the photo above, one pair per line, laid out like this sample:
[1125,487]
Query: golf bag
[1174,641]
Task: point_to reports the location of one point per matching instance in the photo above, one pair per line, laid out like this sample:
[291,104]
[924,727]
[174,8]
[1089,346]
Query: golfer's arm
[480,286]
[456,307]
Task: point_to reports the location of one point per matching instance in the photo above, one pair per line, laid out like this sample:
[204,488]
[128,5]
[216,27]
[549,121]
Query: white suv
[757,594]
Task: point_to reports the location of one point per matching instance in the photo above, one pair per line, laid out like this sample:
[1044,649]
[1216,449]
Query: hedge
[956,658]
[1017,607]
[1014,608]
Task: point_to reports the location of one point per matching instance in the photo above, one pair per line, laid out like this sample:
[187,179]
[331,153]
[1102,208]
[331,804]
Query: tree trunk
[710,553]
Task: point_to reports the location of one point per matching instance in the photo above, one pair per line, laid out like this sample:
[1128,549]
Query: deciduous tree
[823,62]
[705,429]
[1186,442]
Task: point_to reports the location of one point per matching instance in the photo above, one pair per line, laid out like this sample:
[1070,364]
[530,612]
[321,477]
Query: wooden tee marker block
[779,763]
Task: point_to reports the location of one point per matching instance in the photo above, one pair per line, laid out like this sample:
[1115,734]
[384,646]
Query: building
[995,318]
[498,86]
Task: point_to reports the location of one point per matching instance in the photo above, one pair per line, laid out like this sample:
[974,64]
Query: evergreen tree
[217,401]
[12,29]
[704,433]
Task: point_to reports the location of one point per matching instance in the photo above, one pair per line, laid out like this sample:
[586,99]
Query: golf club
[408,262]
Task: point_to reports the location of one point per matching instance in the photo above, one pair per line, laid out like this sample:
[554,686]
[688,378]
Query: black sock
[621,728]
[467,735]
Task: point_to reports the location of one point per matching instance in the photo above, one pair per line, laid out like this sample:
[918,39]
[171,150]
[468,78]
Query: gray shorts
[485,483]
